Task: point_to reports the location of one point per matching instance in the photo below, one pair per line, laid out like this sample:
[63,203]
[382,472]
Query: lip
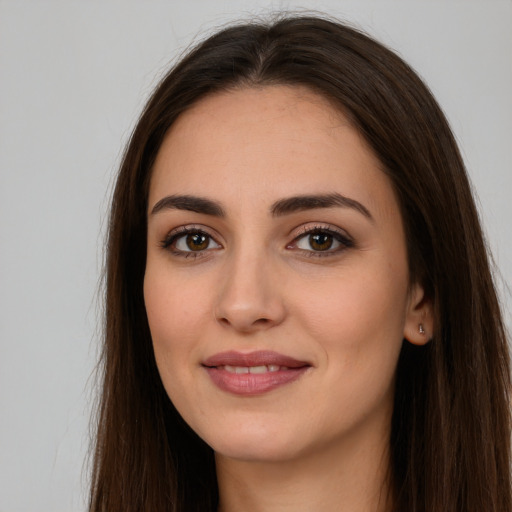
[249,384]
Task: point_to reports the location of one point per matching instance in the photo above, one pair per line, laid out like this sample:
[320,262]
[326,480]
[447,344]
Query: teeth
[236,369]
[253,369]
[258,369]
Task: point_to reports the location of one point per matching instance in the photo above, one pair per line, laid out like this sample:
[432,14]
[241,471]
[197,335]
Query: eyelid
[308,227]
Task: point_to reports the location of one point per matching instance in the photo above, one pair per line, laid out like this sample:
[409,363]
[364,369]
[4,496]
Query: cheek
[358,321]
[355,303]
[173,306]
[176,314]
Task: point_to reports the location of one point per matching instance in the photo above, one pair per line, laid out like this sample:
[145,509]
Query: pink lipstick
[253,373]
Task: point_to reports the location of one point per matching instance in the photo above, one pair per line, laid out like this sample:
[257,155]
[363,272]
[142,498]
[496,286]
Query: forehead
[266,143]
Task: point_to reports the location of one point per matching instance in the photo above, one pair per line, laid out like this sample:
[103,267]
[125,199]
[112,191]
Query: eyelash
[344,240]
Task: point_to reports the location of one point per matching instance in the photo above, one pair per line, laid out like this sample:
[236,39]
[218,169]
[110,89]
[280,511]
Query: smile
[255,373]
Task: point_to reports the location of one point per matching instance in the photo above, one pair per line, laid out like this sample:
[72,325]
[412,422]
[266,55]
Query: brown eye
[321,241]
[197,241]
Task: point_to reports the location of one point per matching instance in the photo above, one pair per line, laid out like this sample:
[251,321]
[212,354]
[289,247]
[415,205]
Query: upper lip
[258,358]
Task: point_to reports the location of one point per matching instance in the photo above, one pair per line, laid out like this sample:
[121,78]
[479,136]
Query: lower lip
[253,383]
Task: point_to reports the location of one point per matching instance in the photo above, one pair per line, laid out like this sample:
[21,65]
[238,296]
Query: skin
[320,442]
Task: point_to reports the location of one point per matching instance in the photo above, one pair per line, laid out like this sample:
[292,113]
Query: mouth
[254,373]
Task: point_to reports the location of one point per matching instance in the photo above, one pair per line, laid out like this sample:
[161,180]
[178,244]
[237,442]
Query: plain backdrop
[73,78]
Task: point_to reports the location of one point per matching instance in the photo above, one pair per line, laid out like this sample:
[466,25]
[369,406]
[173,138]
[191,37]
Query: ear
[419,320]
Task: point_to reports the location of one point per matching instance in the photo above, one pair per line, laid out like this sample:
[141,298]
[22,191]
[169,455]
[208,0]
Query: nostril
[245,324]
[261,321]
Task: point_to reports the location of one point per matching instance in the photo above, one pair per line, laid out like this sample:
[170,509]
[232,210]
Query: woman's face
[276,286]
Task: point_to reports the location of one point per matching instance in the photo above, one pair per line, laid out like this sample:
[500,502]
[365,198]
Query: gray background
[73,78]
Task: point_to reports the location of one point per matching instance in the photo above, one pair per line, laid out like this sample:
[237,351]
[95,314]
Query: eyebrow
[189,203]
[312,202]
[279,208]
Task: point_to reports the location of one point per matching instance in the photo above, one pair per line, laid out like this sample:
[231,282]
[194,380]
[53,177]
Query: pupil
[197,242]
[320,241]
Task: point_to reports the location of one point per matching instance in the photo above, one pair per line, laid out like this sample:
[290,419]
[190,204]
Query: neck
[353,477]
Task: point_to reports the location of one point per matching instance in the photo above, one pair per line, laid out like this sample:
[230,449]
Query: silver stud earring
[421,329]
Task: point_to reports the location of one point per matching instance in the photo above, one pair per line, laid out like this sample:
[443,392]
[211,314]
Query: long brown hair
[450,440]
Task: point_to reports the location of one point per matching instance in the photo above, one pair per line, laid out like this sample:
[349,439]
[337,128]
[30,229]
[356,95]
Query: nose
[250,298]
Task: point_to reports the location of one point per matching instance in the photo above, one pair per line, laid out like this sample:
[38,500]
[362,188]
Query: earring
[421,329]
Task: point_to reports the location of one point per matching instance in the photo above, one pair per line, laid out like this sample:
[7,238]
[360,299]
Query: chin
[254,446]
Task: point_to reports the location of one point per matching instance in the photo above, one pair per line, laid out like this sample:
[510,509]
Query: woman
[299,313]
